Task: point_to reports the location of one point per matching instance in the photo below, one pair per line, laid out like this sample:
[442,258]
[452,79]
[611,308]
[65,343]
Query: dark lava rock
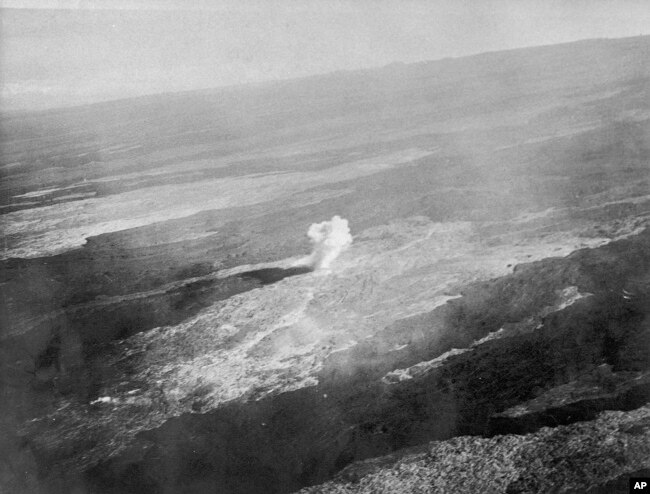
[582,457]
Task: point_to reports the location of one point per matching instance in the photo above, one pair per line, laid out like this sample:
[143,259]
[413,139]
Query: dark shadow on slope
[273,275]
[587,409]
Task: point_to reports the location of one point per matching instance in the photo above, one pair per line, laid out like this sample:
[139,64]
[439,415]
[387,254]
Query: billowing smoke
[330,238]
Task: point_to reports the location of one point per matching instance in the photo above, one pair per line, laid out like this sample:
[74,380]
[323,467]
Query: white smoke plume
[330,238]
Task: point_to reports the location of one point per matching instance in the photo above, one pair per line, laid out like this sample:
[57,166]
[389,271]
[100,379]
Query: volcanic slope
[157,334]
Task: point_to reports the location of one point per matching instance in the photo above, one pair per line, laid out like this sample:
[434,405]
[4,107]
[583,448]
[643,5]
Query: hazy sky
[62,52]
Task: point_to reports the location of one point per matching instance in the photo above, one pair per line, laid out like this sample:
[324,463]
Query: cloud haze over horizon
[66,52]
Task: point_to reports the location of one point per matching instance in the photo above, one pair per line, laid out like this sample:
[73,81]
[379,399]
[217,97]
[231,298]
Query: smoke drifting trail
[330,238]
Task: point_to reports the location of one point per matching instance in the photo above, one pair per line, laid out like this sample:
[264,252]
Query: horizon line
[272,82]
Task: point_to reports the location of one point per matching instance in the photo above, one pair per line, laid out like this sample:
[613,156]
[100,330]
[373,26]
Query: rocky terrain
[580,458]
[164,327]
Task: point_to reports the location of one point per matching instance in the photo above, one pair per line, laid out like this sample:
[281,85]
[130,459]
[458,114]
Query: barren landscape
[164,327]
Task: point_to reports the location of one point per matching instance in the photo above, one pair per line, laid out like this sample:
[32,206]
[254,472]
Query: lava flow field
[416,278]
